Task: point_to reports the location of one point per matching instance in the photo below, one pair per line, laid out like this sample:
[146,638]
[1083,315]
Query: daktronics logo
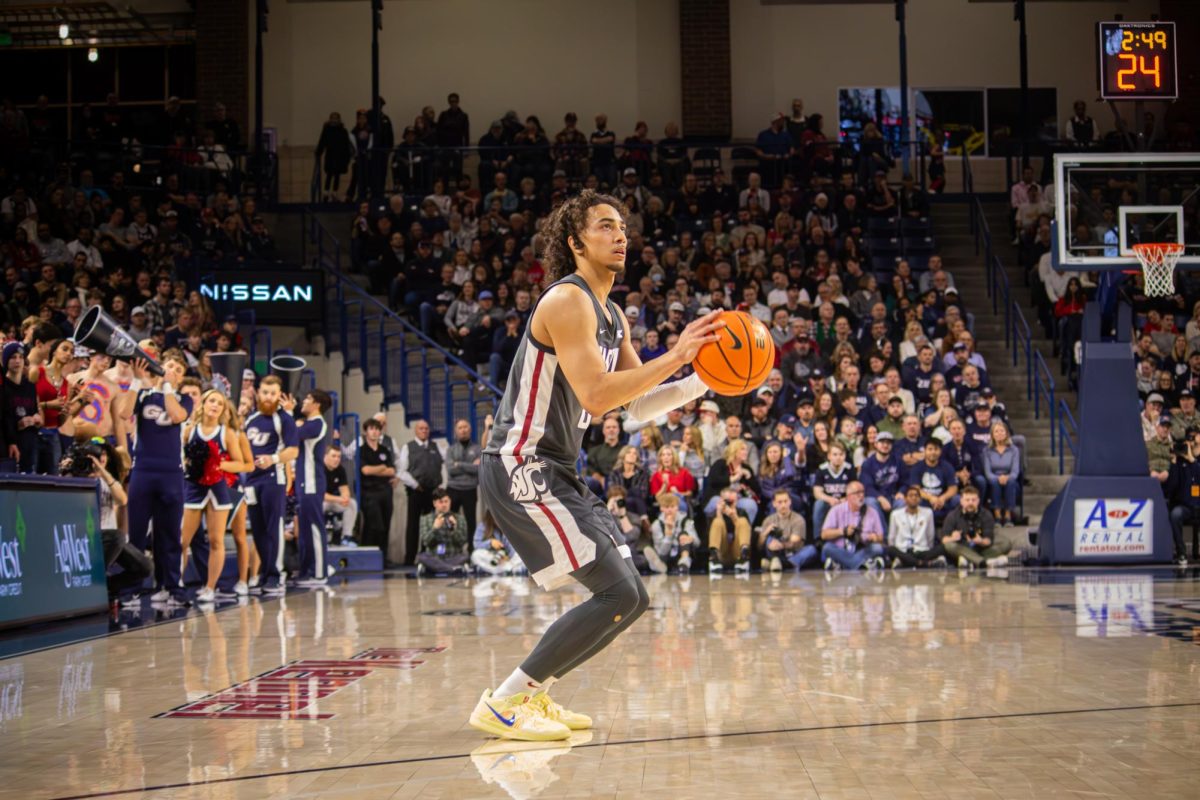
[258,292]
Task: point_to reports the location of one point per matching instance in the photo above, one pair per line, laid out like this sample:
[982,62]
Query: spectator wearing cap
[881,474]
[674,321]
[631,186]
[1151,412]
[139,323]
[939,484]
[1160,450]
[712,430]
[893,421]
[761,423]
[633,317]
[1186,417]
[505,342]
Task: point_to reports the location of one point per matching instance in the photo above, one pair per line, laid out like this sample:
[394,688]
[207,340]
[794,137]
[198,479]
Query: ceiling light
[64,30]
[93,55]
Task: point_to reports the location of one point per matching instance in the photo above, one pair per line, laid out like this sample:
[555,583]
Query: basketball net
[1158,266]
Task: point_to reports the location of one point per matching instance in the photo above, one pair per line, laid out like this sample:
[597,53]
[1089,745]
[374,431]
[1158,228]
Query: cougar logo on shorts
[526,484]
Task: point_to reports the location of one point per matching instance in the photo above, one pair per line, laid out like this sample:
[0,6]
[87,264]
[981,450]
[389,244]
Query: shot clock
[1137,61]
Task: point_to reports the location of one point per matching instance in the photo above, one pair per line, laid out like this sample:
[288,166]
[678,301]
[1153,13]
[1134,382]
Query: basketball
[739,361]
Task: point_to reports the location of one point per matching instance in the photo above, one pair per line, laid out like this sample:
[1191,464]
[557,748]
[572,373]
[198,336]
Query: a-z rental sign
[1114,527]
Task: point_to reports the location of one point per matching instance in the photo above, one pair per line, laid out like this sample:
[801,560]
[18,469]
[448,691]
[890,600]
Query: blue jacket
[881,478]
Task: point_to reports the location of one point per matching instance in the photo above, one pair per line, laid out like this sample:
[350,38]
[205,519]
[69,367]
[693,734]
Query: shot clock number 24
[1137,61]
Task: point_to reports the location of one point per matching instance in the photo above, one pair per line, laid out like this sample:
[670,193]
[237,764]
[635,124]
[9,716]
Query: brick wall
[704,68]
[224,63]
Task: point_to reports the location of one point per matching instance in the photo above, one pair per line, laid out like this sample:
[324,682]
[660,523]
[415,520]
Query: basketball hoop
[1158,266]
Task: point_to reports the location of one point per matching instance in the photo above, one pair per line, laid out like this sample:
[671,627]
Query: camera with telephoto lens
[78,461]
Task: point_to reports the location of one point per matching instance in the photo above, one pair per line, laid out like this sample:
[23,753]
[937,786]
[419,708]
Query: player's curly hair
[565,222]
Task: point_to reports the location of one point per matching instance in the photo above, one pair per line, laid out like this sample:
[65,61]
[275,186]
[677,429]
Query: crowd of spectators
[878,386]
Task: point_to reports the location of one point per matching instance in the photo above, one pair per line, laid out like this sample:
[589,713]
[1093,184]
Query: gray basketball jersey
[540,415]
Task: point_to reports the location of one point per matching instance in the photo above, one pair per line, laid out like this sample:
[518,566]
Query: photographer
[96,458]
[492,552]
[1186,508]
[444,538]
[782,535]
[674,537]
[969,535]
[632,525]
[729,534]
[853,533]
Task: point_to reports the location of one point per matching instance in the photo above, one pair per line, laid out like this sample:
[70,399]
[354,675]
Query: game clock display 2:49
[1137,61]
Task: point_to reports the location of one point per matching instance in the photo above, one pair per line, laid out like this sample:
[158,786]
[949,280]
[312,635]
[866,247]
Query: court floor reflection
[1032,683]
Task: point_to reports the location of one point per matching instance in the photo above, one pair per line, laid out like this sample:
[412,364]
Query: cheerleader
[208,444]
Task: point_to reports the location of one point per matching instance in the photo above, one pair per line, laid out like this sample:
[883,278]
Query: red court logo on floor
[286,692]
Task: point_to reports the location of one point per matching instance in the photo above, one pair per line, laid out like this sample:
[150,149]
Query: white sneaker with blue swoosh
[515,717]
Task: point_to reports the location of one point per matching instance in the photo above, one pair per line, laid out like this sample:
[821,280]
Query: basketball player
[272,435]
[310,489]
[575,361]
[156,481]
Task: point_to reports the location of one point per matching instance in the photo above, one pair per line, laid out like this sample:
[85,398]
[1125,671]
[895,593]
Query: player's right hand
[698,333]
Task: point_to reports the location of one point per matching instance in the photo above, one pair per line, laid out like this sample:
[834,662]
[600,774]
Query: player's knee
[631,599]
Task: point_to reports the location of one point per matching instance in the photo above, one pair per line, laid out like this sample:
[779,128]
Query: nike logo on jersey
[501,717]
[737,343]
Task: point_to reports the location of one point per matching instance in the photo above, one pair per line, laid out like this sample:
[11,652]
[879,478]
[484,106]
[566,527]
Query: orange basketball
[740,360]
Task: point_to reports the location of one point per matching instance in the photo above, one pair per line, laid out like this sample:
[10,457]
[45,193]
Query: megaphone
[227,371]
[288,369]
[100,332]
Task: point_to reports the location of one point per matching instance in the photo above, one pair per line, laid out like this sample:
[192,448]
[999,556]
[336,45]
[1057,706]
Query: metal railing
[1018,336]
[1068,437]
[430,382]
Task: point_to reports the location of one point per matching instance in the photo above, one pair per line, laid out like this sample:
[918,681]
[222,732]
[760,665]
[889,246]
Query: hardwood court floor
[1043,684]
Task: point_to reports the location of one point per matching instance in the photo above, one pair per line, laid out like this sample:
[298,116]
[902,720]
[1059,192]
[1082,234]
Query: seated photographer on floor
[782,535]
[96,458]
[444,538]
[970,536]
[492,552]
[852,532]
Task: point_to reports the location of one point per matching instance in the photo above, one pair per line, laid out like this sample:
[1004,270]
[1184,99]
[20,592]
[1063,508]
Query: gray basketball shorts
[560,529]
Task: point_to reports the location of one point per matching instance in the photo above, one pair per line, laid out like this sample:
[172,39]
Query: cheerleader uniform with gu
[206,482]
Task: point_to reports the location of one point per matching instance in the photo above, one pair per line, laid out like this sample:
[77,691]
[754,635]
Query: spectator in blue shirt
[774,146]
[939,485]
[880,474]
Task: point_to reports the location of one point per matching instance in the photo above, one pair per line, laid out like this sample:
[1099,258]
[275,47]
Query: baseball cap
[249,375]
[676,306]
[171,214]
[486,295]
[1164,420]
[629,171]
[632,311]
[1186,393]
[703,311]
[1154,397]
[804,400]
[959,346]
[231,318]
[710,405]
[138,310]
[20,285]
[512,314]
[816,374]
[789,420]
[765,390]
[760,401]
[987,392]
[884,436]
[560,173]
[896,399]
